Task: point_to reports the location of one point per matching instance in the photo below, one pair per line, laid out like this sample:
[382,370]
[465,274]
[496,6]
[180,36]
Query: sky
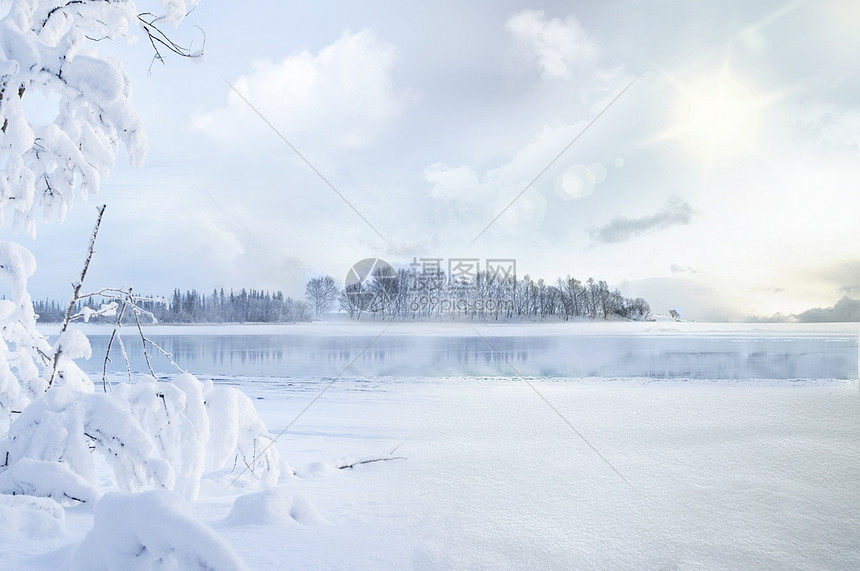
[702,154]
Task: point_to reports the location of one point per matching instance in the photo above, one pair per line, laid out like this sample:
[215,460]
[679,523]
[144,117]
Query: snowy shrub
[150,433]
[151,530]
[239,438]
[30,517]
[46,479]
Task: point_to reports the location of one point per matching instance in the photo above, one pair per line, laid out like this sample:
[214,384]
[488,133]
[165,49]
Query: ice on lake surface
[658,351]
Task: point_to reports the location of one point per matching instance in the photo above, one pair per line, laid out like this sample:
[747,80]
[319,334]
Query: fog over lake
[657,351]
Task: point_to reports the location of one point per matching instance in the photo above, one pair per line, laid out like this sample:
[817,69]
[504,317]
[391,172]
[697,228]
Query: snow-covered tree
[150,433]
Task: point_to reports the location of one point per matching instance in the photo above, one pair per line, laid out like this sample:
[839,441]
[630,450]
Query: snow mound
[46,479]
[317,470]
[31,517]
[273,506]
[151,530]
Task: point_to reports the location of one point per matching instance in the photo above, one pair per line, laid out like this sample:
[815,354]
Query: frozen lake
[487,474]
[648,350]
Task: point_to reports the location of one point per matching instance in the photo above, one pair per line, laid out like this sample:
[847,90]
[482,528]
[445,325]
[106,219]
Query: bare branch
[76,292]
[110,344]
[143,340]
[157,38]
[354,464]
[125,356]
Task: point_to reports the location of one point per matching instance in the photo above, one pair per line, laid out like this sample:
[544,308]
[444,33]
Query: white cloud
[451,183]
[839,129]
[345,96]
[472,196]
[561,48]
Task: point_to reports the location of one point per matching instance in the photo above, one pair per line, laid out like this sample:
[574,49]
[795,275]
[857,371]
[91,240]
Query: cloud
[451,183]
[675,212]
[345,96]
[834,129]
[775,318]
[467,194]
[560,47]
[845,274]
[846,309]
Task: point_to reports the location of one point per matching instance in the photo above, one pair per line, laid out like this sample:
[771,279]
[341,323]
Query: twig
[125,356]
[157,36]
[143,340]
[110,344]
[166,355]
[402,442]
[354,464]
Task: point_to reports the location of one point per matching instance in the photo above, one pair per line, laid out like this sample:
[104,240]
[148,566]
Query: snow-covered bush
[30,517]
[56,429]
[151,434]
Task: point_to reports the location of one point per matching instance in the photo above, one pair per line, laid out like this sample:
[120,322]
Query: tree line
[404,294]
[387,294]
[191,306]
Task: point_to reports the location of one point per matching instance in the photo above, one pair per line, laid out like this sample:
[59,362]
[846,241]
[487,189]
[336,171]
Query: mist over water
[732,356]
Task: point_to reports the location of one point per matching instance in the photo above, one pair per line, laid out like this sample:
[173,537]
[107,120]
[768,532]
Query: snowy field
[482,472]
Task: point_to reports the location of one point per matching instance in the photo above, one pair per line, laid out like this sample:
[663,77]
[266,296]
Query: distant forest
[395,295]
[402,295]
[244,306]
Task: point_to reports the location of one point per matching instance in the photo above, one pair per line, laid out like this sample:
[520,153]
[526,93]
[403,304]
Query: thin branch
[110,344]
[354,464]
[76,292]
[143,340]
[55,9]
[157,38]
[125,356]
[402,442]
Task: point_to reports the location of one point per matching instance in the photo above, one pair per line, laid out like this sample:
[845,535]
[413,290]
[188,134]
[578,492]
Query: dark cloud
[846,309]
[675,212]
[851,290]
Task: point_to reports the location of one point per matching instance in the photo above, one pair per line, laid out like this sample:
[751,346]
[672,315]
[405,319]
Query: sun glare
[717,117]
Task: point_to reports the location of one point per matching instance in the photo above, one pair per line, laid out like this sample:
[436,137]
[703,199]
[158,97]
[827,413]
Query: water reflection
[696,357]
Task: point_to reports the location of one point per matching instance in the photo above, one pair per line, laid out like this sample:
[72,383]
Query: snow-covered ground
[506,472]
[723,475]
